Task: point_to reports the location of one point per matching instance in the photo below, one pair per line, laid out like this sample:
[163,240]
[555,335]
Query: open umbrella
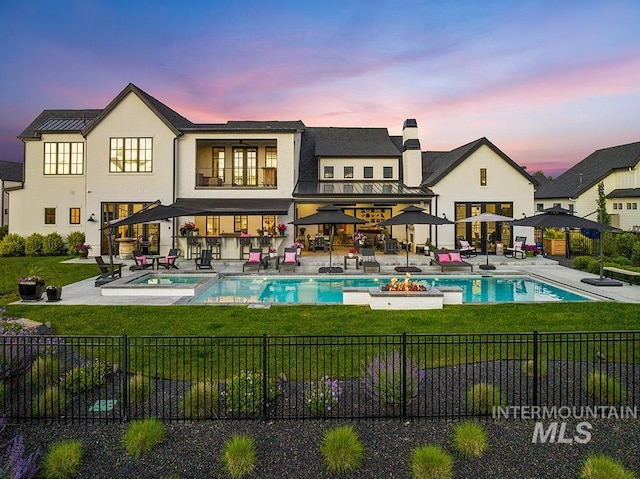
[486,218]
[413,215]
[558,217]
[331,215]
[152,214]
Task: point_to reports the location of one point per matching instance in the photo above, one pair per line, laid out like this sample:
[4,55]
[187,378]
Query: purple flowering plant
[13,462]
[383,379]
[322,397]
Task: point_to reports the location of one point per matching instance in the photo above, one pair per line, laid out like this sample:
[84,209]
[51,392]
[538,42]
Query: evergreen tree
[603,217]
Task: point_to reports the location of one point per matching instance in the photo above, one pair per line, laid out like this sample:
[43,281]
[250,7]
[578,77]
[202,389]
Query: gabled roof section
[11,171]
[174,121]
[353,142]
[625,193]
[590,171]
[59,121]
[436,164]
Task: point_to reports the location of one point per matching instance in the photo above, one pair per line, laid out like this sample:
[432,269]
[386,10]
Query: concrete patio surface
[85,292]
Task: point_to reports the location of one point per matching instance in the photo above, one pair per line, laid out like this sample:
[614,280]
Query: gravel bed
[290,449]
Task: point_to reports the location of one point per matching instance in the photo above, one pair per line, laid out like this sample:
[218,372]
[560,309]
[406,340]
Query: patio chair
[169,261]
[193,246]
[141,261]
[204,260]
[369,260]
[213,243]
[466,250]
[255,260]
[517,250]
[290,260]
[390,246]
[450,259]
[106,271]
[319,243]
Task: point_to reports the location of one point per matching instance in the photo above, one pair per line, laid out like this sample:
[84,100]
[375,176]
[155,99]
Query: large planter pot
[555,247]
[31,291]
[54,294]
[83,253]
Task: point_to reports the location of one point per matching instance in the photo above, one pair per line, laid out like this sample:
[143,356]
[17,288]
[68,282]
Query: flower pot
[350,255]
[54,294]
[31,291]
[83,253]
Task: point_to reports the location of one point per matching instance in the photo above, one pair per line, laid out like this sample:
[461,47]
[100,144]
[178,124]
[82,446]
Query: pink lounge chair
[450,259]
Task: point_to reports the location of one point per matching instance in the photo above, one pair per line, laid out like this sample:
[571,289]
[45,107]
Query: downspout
[175,188]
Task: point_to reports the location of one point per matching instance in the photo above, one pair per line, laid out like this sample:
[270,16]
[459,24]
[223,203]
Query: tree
[541,177]
[603,217]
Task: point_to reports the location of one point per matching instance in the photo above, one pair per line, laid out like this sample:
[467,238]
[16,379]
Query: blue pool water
[153,279]
[328,290]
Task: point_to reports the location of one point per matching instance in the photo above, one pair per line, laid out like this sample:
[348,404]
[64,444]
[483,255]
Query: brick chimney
[411,153]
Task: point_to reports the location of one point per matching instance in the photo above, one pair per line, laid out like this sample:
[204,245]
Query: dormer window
[328,172]
[387,172]
[348,172]
[483,177]
[368,171]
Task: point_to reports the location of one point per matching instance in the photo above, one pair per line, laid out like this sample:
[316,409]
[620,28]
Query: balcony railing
[263,177]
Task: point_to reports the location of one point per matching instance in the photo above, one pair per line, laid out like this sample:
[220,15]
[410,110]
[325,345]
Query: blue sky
[548,82]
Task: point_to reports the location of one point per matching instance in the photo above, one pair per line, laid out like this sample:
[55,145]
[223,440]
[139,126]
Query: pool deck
[85,292]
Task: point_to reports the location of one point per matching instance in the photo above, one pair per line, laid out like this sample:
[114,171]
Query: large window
[49,216]
[74,216]
[240,223]
[483,177]
[271,157]
[63,158]
[245,167]
[218,163]
[131,155]
[212,225]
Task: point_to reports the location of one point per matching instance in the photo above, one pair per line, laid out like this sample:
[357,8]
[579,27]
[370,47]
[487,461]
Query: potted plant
[359,239]
[54,292]
[298,247]
[188,228]
[282,228]
[352,251]
[555,242]
[272,252]
[31,287]
[83,250]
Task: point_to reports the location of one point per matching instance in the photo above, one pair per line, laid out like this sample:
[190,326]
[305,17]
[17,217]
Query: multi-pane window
[634,206]
[483,177]
[328,172]
[539,206]
[572,208]
[49,216]
[348,171]
[245,167]
[218,163]
[387,172]
[212,225]
[368,171]
[74,216]
[240,223]
[628,206]
[64,158]
[271,157]
[131,155]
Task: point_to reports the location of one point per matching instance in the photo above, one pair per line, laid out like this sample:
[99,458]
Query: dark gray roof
[590,171]
[296,125]
[11,171]
[68,121]
[437,164]
[625,193]
[353,142]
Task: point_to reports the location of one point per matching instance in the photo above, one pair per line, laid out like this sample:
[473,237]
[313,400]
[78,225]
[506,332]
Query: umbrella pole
[406,238]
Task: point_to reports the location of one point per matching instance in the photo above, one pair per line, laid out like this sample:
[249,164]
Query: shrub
[553,233]
[239,456]
[604,388]
[53,245]
[582,262]
[244,393]
[87,377]
[142,436]
[599,466]
[527,367]
[470,439]
[13,462]
[622,261]
[635,258]
[579,244]
[483,397]
[608,244]
[342,449]
[322,397]
[73,239]
[201,401]
[12,245]
[33,245]
[50,403]
[593,266]
[4,231]
[431,462]
[45,371]
[139,388]
[383,379]
[63,459]
[625,244]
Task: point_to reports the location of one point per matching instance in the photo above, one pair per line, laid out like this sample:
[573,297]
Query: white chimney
[411,154]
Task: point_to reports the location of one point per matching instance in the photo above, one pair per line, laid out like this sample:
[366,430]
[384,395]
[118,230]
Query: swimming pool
[328,290]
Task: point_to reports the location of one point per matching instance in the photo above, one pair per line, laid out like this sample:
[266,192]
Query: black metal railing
[118,378]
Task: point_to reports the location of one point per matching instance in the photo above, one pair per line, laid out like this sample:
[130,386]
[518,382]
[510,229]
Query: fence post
[535,368]
[124,385]
[403,387]
[264,376]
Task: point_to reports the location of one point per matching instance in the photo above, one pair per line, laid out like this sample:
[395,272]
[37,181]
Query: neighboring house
[577,188]
[10,177]
[84,168]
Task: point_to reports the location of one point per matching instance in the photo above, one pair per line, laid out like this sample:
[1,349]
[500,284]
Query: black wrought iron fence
[118,378]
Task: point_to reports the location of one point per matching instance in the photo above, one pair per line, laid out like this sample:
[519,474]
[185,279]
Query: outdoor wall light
[91,218]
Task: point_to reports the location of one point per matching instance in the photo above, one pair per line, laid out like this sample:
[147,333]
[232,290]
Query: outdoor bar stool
[213,243]
[193,245]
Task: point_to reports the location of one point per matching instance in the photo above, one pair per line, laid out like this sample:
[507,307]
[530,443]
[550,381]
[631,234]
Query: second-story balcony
[264,177]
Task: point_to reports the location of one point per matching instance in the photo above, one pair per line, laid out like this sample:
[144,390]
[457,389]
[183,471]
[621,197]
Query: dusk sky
[548,82]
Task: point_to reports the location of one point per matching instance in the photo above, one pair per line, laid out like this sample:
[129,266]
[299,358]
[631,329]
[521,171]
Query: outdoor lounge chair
[517,250]
[290,260]
[450,259]
[369,260]
[141,261]
[106,271]
[169,261]
[466,250]
[204,260]
[254,261]
[390,246]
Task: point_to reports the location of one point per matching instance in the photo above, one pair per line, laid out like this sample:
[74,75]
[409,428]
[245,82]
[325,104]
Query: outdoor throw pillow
[444,258]
[254,257]
[141,259]
[455,257]
[289,257]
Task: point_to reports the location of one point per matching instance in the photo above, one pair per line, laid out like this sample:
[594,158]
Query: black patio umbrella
[558,217]
[413,215]
[331,215]
[156,213]
[486,218]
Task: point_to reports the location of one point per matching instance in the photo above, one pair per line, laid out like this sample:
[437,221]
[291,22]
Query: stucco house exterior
[84,168]
[10,178]
[576,189]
